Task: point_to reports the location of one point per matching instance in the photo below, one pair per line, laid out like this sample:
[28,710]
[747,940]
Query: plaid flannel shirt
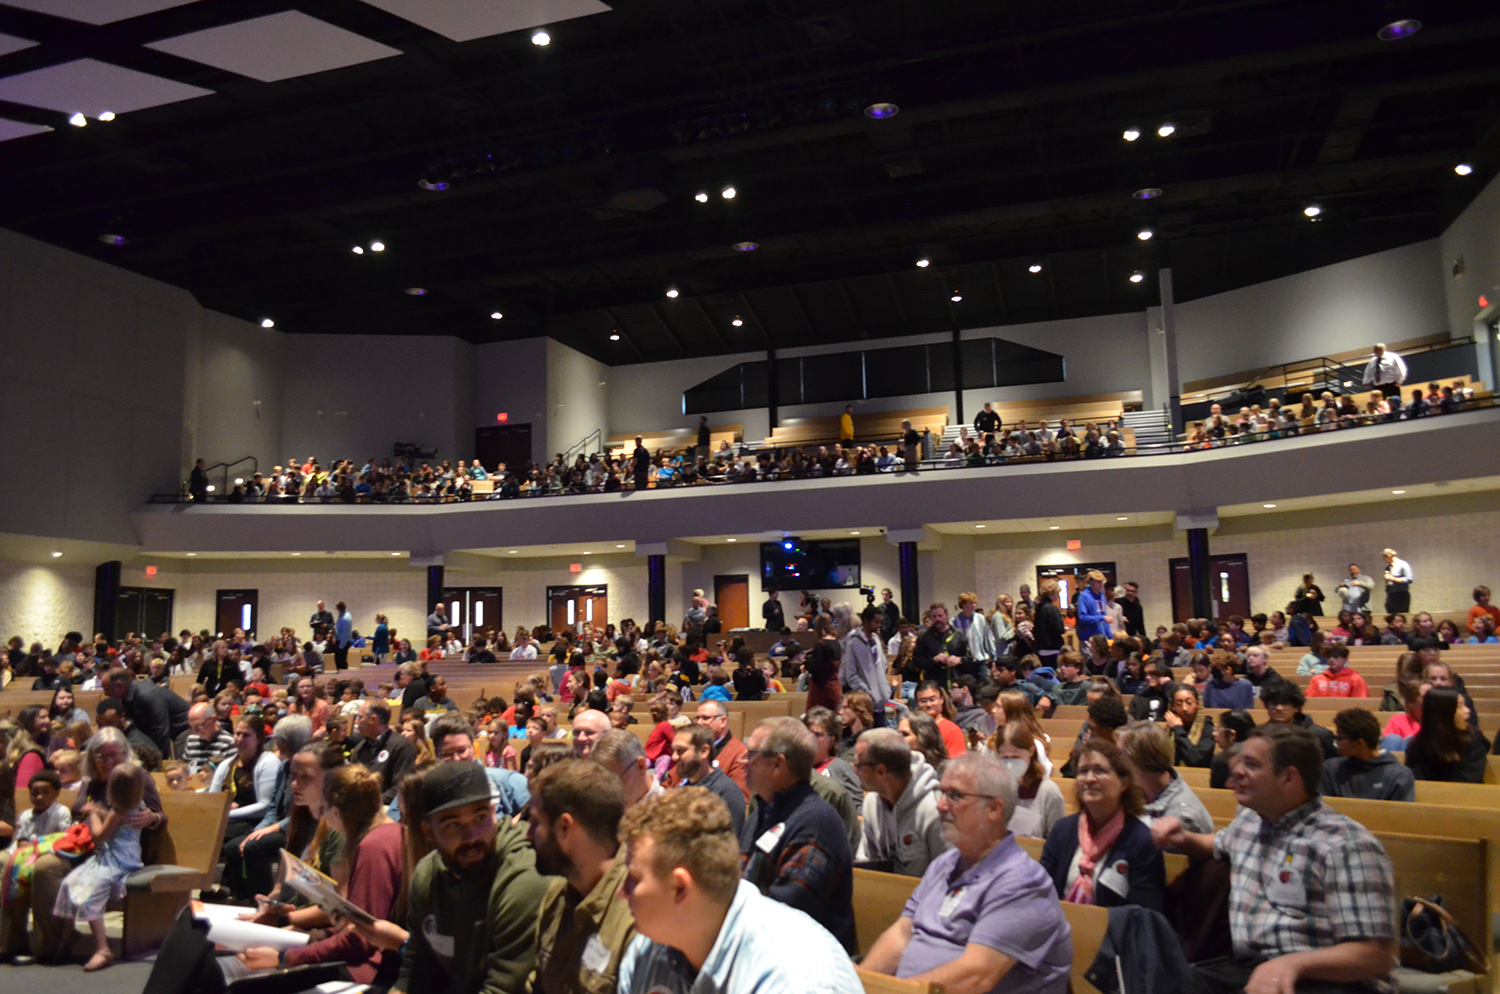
[1311,880]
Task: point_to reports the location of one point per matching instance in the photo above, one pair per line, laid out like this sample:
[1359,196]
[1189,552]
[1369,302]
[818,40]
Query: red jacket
[1344,683]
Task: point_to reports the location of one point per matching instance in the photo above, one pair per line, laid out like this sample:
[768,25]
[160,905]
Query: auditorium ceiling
[428,167]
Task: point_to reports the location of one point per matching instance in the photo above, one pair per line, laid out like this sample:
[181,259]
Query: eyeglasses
[953,796]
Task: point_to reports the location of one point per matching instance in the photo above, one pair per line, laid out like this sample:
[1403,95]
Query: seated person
[984,917]
[1103,854]
[902,830]
[700,927]
[1151,752]
[1363,769]
[1313,894]
[1338,680]
[1447,746]
[1192,729]
[1283,702]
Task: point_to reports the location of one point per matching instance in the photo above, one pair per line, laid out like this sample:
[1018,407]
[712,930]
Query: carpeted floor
[122,978]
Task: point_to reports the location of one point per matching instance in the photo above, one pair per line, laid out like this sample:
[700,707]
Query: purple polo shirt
[1005,901]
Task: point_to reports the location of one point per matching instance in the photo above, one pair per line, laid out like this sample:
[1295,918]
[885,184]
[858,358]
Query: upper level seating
[673,441]
[879,427]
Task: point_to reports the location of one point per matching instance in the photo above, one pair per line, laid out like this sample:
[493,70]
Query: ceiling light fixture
[746,246]
[1268,505]
[436,186]
[956,297]
[981,526]
[1166,131]
[377,246]
[114,240]
[728,193]
[1145,234]
[212,488]
[541,39]
[395,553]
[731,540]
[192,554]
[1122,518]
[56,555]
[1399,30]
[615,337]
[106,116]
[1312,210]
[1137,276]
[620,546]
[923,262]
[854,533]
[358,250]
[1398,492]
[882,110]
[267,323]
[415,291]
[1463,169]
[1035,267]
[1131,134]
[738,322]
[672,293]
[78,121]
[496,315]
[701,197]
[1053,528]
[1147,193]
[296,553]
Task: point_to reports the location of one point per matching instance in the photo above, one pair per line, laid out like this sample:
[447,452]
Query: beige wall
[43,603]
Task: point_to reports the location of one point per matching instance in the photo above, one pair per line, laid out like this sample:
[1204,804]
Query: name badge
[770,838]
[385,754]
[950,903]
[1116,877]
[595,955]
[1285,888]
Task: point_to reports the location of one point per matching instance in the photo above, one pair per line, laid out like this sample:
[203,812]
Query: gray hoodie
[909,836]
[1381,779]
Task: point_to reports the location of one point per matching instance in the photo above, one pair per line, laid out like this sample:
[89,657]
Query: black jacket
[1152,703]
[1135,618]
[1470,767]
[390,755]
[1201,754]
[1047,628]
[953,642]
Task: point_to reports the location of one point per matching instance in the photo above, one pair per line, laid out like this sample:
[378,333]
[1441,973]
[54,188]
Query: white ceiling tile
[97,11]
[92,87]
[10,43]
[464,20]
[277,46]
[19,129]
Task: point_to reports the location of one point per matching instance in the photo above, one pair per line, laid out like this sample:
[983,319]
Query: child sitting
[176,772]
[117,853]
[69,766]
[46,816]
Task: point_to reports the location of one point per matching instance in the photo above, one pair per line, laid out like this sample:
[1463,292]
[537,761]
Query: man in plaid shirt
[1312,894]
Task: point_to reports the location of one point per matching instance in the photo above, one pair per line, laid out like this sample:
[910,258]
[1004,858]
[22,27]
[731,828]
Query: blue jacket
[1091,617]
[1146,872]
[806,861]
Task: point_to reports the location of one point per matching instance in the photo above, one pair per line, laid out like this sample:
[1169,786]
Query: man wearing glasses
[985,916]
[728,752]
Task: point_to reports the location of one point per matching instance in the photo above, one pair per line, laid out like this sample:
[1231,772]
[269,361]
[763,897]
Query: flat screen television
[793,564]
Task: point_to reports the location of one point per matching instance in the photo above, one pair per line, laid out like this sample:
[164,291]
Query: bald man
[205,744]
[588,725]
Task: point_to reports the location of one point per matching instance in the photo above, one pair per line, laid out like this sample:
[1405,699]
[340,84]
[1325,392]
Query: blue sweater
[1218,694]
[1146,873]
[1091,617]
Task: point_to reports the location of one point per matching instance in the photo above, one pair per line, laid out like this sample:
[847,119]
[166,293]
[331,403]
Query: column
[434,591]
[656,586]
[106,596]
[773,415]
[1169,341]
[958,375]
[1200,577]
[911,603]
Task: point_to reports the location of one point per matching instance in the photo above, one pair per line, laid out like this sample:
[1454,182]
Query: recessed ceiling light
[738,322]
[854,533]
[1053,527]
[701,197]
[358,250]
[1398,30]
[377,246]
[728,193]
[620,546]
[746,246]
[496,315]
[436,186]
[1136,277]
[956,297]
[106,116]
[1398,491]
[923,262]
[78,121]
[1463,169]
[882,110]
[1268,505]
[588,553]
[114,240]
[296,553]
[981,526]
[1145,234]
[541,39]
[731,540]
[672,293]
[1131,134]
[614,338]
[1035,267]
[1166,130]
[395,553]
[56,555]
[1312,210]
[267,323]
[512,552]
[415,291]
[1122,517]
[1147,193]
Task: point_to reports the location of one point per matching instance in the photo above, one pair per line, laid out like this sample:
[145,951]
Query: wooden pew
[1483,796]
[187,858]
[880,983]
[1177,863]
[1089,923]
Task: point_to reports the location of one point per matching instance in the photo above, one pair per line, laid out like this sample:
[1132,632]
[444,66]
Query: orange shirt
[1477,611]
[1344,683]
[953,737]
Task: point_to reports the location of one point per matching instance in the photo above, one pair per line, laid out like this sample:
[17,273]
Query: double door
[474,609]
[1229,587]
[570,608]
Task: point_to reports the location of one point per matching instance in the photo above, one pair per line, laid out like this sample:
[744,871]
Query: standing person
[640,461]
[117,853]
[320,622]
[864,665]
[1398,580]
[1312,892]
[846,425]
[890,614]
[823,688]
[160,714]
[911,446]
[1308,598]
[705,442]
[1386,371]
[941,652]
[1135,613]
[1093,614]
[703,928]
[1354,592]
[437,621]
[585,923]
[198,482]
[771,612]
[1048,625]
[382,642]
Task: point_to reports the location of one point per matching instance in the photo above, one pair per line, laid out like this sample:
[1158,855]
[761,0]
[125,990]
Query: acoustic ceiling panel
[97,11]
[277,46]
[465,20]
[93,87]
[10,43]
[19,129]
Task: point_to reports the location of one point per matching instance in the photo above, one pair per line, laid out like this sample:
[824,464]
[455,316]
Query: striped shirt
[1311,880]
[197,751]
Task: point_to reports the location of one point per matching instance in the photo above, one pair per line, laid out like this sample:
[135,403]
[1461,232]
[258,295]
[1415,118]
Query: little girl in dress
[117,853]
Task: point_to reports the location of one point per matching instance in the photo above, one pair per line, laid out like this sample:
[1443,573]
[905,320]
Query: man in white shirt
[1398,578]
[1386,370]
[524,648]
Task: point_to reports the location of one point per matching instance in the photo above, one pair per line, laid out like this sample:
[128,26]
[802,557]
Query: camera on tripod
[869,593]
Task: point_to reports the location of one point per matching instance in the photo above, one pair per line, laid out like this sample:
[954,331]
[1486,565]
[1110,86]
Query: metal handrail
[581,445]
[227,466]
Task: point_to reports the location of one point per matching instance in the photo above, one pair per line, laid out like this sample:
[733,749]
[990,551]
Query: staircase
[1152,427]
